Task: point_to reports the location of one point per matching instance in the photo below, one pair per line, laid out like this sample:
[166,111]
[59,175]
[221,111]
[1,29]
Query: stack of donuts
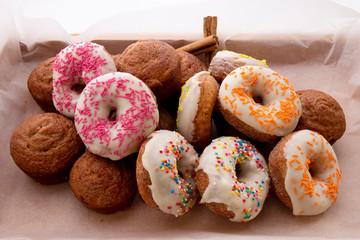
[157,121]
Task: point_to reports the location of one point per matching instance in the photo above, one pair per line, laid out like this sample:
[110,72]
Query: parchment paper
[321,54]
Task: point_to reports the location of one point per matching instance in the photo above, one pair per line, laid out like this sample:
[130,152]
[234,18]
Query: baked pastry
[154,62]
[232,178]
[165,172]
[259,102]
[115,113]
[74,67]
[226,61]
[190,65]
[305,172]
[40,85]
[103,185]
[45,147]
[321,113]
[196,104]
[166,122]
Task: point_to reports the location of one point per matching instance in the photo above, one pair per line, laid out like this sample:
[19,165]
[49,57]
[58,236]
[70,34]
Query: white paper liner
[326,60]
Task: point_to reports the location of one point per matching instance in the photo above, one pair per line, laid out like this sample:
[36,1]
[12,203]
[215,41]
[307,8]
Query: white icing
[77,64]
[136,115]
[281,108]
[243,194]
[311,193]
[188,106]
[225,60]
[166,154]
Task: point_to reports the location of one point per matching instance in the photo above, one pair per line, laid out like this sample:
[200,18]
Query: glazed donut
[305,172]
[114,114]
[232,178]
[196,104]
[226,61]
[74,67]
[259,102]
[165,172]
[321,113]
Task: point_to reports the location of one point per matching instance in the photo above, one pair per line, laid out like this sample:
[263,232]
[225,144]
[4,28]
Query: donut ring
[165,172]
[114,114]
[237,195]
[290,163]
[226,61]
[277,112]
[74,67]
[196,104]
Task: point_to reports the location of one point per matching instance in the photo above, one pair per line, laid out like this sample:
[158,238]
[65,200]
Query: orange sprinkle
[226,86]
[301,197]
[293,181]
[309,143]
[299,148]
[301,212]
[295,190]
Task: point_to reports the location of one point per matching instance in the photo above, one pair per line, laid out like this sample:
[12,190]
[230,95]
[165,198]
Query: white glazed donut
[196,104]
[232,177]
[226,61]
[136,115]
[278,111]
[74,67]
[304,168]
[167,161]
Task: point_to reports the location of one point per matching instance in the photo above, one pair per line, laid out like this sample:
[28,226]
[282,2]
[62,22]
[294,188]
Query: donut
[259,102]
[232,178]
[305,172]
[45,147]
[190,65]
[103,185]
[226,61]
[40,85]
[321,113]
[74,67]
[165,172]
[154,62]
[114,114]
[196,104]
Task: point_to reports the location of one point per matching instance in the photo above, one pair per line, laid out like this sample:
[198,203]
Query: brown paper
[323,61]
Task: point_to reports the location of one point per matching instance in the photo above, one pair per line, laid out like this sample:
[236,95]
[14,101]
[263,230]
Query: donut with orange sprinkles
[114,115]
[73,68]
[165,172]
[259,103]
[305,172]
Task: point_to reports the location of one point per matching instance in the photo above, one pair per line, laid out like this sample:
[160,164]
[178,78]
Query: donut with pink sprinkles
[74,67]
[114,114]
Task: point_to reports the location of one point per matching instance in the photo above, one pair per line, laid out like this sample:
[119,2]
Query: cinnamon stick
[204,45]
[209,28]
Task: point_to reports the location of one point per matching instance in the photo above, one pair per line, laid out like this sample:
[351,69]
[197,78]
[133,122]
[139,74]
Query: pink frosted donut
[74,67]
[114,114]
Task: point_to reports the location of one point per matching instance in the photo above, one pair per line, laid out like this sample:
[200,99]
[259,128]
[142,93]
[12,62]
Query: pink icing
[122,135]
[76,65]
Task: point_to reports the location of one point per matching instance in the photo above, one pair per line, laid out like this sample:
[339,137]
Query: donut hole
[258,100]
[313,169]
[78,88]
[112,114]
[240,175]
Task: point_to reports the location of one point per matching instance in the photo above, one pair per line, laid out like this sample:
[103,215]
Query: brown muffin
[190,65]
[40,85]
[321,113]
[45,147]
[154,62]
[115,59]
[166,122]
[103,185]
